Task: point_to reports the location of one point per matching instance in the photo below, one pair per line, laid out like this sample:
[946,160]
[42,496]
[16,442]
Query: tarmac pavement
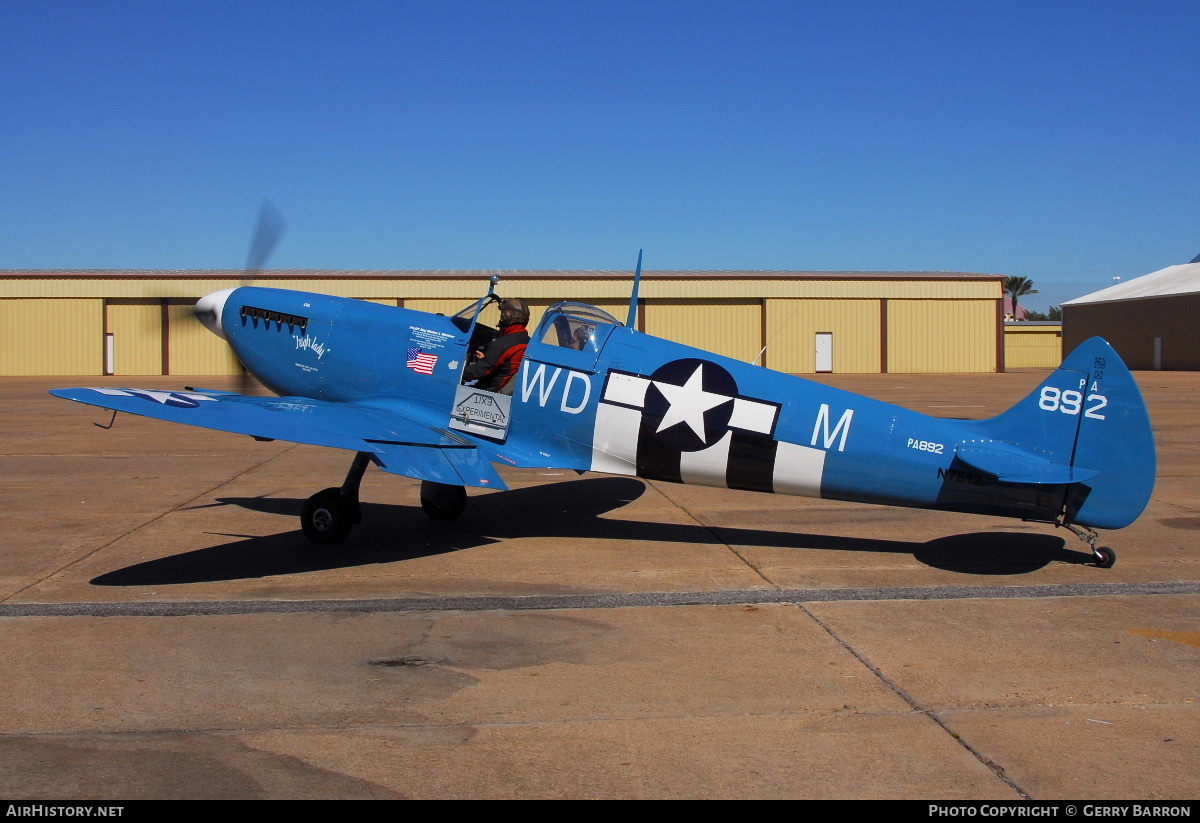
[169,633]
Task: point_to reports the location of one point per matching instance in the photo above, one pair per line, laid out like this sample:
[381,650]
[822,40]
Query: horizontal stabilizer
[1011,464]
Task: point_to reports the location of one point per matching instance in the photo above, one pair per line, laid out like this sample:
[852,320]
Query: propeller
[271,226]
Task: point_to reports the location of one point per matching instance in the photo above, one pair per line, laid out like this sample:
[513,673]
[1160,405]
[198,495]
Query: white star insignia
[688,402]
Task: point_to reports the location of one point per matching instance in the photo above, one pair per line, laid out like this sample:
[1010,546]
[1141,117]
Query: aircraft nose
[209,309]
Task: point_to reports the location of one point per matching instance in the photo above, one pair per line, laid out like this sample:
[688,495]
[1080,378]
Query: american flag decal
[421,362]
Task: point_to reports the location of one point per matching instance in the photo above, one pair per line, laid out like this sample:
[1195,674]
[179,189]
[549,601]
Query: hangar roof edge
[410,274]
[1173,280]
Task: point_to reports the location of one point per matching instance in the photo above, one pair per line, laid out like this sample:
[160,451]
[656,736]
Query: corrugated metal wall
[729,327]
[893,323]
[491,315]
[1032,346]
[1131,326]
[51,336]
[941,336]
[848,287]
[792,327]
[193,349]
[136,327]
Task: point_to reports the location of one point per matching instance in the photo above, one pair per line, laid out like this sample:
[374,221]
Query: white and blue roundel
[176,399]
[688,423]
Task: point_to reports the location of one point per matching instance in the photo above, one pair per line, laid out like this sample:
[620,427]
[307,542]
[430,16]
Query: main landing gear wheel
[326,517]
[441,501]
[1105,557]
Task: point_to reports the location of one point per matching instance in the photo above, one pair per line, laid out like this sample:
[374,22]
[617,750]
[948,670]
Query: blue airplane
[594,394]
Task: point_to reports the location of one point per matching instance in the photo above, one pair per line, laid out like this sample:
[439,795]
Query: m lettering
[822,428]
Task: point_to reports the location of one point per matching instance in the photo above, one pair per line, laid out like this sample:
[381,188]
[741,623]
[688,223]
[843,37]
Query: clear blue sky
[1058,141]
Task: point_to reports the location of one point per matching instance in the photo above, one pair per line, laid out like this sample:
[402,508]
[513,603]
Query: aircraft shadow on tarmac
[567,510]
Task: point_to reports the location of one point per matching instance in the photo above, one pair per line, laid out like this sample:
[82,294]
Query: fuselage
[627,403]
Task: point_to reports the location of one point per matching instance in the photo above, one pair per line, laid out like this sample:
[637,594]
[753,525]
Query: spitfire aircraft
[594,394]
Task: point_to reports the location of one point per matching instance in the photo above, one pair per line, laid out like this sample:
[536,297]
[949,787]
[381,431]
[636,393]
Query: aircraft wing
[398,444]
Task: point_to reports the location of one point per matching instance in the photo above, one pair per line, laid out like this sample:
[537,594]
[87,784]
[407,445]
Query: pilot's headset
[513,312]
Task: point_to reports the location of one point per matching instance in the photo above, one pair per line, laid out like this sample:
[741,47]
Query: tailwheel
[1103,555]
[441,501]
[326,517]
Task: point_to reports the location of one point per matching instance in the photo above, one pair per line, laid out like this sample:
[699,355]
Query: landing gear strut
[1104,556]
[328,515]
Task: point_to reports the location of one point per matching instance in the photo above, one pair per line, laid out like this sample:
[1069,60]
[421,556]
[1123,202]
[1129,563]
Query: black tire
[1105,557]
[326,518]
[441,501]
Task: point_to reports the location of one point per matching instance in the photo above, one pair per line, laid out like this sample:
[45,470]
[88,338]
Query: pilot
[498,365]
[581,337]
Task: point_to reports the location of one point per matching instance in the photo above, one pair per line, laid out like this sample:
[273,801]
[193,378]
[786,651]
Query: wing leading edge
[398,444]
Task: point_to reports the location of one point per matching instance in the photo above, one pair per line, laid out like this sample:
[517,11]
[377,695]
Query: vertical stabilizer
[1089,414]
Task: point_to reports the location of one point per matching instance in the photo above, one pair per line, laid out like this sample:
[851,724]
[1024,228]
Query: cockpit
[569,334]
[566,324]
[577,326]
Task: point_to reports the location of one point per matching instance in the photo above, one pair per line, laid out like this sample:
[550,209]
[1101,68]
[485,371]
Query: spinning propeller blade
[270,228]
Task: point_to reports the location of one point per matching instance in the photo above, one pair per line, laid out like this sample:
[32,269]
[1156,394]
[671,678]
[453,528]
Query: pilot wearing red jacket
[500,361]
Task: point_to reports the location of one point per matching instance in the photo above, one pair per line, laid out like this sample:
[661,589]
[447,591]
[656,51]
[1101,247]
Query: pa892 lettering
[926,446]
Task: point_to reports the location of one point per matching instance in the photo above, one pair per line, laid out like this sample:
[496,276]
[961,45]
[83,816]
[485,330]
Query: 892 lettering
[1071,402]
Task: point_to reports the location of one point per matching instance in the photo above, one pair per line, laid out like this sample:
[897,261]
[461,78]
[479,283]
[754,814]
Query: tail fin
[1089,415]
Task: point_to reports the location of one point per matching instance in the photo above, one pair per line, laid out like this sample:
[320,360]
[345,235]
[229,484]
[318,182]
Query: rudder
[1089,414]
[1116,437]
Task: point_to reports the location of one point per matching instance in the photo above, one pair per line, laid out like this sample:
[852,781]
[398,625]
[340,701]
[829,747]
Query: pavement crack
[716,535]
[88,553]
[915,704]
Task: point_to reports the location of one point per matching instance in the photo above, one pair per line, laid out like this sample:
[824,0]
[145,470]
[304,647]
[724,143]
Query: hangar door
[136,329]
[733,328]
[1032,347]
[939,336]
[795,326]
[193,349]
[51,336]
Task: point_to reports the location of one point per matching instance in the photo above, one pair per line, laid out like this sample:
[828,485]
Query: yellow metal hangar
[1033,344]
[94,322]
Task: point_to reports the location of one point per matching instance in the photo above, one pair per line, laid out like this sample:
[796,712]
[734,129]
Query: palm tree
[1016,287]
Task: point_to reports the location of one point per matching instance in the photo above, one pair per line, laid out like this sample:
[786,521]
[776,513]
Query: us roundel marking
[689,404]
[685,423]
